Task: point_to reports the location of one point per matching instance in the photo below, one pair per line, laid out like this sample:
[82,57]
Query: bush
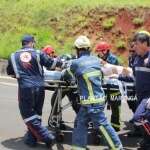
[138,21]
[122,60]
[121,45]
[108,23]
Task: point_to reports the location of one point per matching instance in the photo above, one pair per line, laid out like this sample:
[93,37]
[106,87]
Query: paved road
[12,128]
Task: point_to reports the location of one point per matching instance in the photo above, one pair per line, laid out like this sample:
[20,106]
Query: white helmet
[144,32]
[82,42]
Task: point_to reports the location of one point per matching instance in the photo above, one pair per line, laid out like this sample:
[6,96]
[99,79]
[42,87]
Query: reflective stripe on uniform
[32,118]
[38,61]
[92,101]
[116,125]
[119,120]
[74,147]
[14,65]
[129,84]
[144,69]
[107,137]
[115,94]
[89,86]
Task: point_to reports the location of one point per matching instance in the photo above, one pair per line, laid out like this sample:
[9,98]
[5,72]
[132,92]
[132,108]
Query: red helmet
[102,46]
[48,50]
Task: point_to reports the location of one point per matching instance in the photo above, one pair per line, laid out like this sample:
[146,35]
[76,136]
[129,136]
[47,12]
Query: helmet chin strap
[104,57]
[78,53]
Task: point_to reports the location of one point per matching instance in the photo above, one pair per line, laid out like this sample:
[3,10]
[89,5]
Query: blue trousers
[142,119]
[97,116]
[141,112]
[30,104]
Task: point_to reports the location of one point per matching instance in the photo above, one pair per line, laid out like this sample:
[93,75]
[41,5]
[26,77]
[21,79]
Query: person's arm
[116,62]
[126,78]
[147,62]
[9,69]
[69,74]
[50,63]
[109,69]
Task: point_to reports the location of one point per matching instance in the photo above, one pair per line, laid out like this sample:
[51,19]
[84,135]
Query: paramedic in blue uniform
[142,82]
[103,51]
[26,65]
[87,71]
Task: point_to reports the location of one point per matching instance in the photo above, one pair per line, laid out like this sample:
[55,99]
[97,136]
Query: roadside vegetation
[57,22]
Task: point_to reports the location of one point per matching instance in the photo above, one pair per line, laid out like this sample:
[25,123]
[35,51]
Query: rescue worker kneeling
[27,66]
[87,71]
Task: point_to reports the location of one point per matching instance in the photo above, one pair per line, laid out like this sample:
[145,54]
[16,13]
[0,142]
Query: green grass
[138,21]
[108,23]
[35,17]
[120,44]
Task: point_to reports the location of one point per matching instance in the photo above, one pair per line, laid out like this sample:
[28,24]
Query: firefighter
[87,70]
[50,51]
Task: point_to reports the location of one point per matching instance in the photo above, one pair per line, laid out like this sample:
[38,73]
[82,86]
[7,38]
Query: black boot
[136,132]
[144,145]
[49,143]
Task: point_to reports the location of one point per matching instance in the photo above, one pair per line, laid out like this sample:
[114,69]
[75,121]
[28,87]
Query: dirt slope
[116,26]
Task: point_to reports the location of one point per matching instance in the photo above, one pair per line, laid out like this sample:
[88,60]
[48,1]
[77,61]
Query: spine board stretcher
[53,83]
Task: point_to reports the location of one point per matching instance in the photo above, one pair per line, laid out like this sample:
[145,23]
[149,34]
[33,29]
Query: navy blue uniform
[27,66]
[87,71]
[131,60]
[142,74]
[142,80]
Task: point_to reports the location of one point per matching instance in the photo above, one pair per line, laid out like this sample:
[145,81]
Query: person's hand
[114,76]
[146,61]
[148,104]
[13,76]
[58,69]
[125,72]
[114,70]
[103,62]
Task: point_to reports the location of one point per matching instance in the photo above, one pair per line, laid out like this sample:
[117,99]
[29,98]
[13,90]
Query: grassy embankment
[38,17]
